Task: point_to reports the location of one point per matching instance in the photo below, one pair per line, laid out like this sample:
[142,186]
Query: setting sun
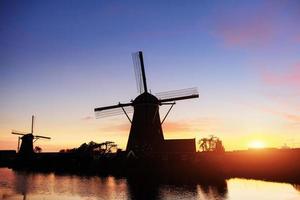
[257,144]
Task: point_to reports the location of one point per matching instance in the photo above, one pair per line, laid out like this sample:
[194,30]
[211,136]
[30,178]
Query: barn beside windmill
[180,145]
[146,133]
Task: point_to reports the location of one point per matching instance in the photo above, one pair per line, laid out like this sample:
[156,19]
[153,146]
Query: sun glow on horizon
[257,144]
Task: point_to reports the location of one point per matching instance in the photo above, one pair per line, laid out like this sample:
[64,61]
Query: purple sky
[60,59]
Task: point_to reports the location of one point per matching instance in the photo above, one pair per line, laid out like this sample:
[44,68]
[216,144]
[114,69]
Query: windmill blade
[109,111]
[139,70]
[18,133]
[32,122]
[138,73]
[113,112]
[39,136]
[176,95]
[119,105]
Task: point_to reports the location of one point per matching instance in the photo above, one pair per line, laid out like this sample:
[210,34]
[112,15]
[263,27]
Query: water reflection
[255,189]
[297,187]
[143,189]
[34,186]
[149,188]
[53,186]
[217,190]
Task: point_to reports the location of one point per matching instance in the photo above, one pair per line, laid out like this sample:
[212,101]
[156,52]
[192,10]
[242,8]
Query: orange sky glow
[60,61]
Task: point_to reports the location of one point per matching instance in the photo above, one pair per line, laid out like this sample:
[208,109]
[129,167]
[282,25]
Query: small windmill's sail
[139,71]
[115,110]
[176,95]
[34,136]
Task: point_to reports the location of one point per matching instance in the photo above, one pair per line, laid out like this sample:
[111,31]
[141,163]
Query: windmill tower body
[27,141]
[146,133]
[26,145]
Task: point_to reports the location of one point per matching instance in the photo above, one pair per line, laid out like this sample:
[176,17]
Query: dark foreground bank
[269,164]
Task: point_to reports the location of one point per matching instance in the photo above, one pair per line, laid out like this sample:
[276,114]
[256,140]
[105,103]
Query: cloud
[7,144]
[290,77]
[284,101]
[257,25]
[250,31]
[174,126]
[281,89]
[294,119]
[287,116]
[197,125]
[169,127]
[87,118]
[291,117]
[297,38]
[121,127]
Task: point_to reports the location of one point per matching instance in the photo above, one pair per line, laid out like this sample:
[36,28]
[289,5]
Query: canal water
[50,186]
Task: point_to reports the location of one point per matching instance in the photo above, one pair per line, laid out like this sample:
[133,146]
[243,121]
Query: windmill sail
[176,95]
[139,70]
[109,111]
[39,136]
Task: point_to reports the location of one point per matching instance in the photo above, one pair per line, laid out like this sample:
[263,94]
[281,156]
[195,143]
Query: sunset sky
[61,59]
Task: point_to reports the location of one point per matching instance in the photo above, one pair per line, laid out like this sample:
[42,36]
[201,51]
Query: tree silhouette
[37,149]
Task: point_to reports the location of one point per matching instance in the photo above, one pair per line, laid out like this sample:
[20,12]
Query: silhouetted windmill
[146,133]
[27,140]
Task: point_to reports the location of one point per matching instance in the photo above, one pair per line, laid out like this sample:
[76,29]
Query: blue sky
[60,59]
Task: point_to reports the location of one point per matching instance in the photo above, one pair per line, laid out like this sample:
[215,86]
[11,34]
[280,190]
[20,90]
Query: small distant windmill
[27,140]
[146,133]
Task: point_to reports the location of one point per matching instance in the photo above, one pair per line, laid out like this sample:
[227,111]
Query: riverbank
[266,164]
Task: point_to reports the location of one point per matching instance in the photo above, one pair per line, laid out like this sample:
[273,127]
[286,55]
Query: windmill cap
[145,98]
[29,136]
